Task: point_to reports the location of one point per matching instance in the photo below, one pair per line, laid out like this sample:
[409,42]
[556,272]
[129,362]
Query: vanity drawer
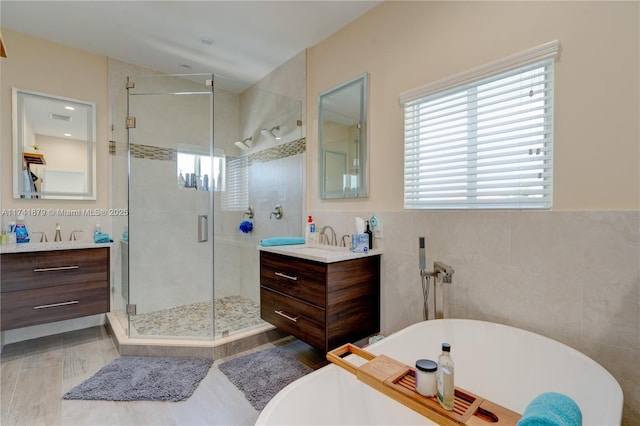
[33,270]
[292,316]
[301,279]
[25,308]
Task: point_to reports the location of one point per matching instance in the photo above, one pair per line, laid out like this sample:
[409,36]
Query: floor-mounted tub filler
[503,364]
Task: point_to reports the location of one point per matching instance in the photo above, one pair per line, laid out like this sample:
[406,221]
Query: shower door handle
[203,228]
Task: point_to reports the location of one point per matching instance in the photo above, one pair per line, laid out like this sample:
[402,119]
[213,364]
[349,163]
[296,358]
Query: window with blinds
[235,195]
[483,139]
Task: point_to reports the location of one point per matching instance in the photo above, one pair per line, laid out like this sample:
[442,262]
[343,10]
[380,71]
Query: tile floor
[35,374]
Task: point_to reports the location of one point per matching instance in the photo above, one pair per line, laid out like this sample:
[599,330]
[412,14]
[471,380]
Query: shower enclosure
[183,269]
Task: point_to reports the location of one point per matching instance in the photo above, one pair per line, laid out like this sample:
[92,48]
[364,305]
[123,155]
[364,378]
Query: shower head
[245,143]
[271,134]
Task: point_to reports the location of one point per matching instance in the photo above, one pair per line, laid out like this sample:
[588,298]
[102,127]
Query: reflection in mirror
[342,118]
[54,155]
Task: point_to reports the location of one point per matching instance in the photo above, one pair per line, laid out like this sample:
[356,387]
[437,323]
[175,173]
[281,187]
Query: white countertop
[319,253]
[63,245]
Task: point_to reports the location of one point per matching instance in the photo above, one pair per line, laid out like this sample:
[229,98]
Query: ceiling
[239,41]
[57,117]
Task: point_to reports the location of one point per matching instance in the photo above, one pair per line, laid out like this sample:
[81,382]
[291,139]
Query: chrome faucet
[324,237]
[445,270]
[441,269]
[249,213]
[43,236]
[277,212]
[72,236]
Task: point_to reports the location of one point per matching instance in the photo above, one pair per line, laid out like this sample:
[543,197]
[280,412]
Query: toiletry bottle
[374,224]
[445,378]
[4,239]
[11,233]
[97,229]
[309,231]
[22,234]
[370,234]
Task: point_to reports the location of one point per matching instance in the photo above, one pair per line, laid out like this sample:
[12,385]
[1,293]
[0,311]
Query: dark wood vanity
[46,286]
[323,304]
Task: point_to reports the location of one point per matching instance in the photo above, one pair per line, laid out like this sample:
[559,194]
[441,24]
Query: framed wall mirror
[54,153]
[342,137]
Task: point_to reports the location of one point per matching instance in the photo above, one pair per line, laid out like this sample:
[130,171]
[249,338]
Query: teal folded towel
[551,409]
[99,237]
[281,241]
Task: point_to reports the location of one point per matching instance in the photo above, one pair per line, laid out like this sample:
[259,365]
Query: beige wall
[42,66]
[571,274]
[404,45]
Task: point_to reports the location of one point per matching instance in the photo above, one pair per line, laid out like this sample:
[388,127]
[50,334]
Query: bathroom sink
[48,246]
[322,248]
[318,253]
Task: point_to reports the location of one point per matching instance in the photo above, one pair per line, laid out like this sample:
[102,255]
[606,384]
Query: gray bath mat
[144,379]
[261,375]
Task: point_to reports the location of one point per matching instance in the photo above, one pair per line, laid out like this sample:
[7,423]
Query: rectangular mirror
[54,154]
[342,137]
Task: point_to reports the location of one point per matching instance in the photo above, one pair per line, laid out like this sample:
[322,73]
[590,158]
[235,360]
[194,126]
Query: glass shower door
[172,176]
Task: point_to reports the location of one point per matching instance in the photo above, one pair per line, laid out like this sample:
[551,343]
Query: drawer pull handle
[289,277]
[57,268]
[290,318]
[53,305]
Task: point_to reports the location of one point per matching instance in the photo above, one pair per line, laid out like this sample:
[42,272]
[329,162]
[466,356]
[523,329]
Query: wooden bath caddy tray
[397,381]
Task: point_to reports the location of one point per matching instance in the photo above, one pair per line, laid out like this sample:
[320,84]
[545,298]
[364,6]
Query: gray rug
[144,379]
[261,375]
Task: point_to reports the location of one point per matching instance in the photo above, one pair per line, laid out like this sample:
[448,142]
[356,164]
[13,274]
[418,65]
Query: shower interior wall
[274,179]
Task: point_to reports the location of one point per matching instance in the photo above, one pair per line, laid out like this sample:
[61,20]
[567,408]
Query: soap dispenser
[22,235]
[309,231]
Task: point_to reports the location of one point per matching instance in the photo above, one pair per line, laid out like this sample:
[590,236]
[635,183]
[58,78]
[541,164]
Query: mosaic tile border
[281,151]
[151,152]
[148,152]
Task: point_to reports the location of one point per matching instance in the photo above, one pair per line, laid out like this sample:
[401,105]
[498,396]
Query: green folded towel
[551,409]
[281,241]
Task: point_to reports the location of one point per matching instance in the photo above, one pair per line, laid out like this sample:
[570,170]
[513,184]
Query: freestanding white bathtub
[503,364]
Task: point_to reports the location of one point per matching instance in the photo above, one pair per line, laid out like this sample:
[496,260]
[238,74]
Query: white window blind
[483,139]
[235,196]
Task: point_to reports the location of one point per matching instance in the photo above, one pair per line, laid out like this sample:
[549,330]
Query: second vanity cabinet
[46,286]
[323,304]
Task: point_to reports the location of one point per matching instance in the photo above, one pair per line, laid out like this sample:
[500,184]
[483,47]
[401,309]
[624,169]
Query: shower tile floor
[232,315]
